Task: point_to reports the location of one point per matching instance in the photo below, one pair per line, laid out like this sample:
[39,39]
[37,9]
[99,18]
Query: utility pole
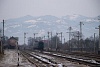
[99,40]
[94,42]
[3,41]
[78,40]
[70,28]
[61,37]
[3,31]
[56,42]
[25,37]
[35,34]
[49,42]
[78,35]
[64,40]
[44,37]
[81,23]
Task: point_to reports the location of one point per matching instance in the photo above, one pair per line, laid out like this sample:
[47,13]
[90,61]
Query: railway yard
[50,33]
[14,58]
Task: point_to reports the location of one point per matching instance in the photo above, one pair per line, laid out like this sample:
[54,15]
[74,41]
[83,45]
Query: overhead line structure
[81,23]
[99,40]
[94,42]
[57,41]
[64,40]
[70,46]
[78,36]
[48,39]
[24,39]
[60,36]
[35,34]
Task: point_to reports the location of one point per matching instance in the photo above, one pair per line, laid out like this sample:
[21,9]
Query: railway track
[41,61]
[30,60]
[81,60]
[95,57]
[49,62]
[91,56]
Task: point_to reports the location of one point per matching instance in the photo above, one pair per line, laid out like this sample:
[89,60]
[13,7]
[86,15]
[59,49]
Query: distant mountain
[43,24]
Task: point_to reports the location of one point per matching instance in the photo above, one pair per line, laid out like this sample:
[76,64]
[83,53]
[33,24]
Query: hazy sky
[17,8]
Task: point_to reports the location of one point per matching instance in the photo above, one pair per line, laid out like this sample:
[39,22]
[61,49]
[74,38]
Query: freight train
[39,46]
[11,43]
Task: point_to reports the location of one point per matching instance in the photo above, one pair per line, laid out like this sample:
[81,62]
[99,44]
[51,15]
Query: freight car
[39,45]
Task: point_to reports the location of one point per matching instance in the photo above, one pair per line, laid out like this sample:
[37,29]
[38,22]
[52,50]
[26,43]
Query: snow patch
[31,21]
[91,20]
[14,26]
[58,21]
[59,65]
[31,26]
[39,19]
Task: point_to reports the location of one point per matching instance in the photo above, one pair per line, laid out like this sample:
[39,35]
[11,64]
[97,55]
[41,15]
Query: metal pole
[81,35]
[3,38]
[64,40]
[44,37]
[24,38]
[78,40]
[18,54]
[3,30]
[35,34]
[99,39]
[48,40]
[51,40]
[56,41]
[70,28]
[61,37]
[1,47]
[94,42]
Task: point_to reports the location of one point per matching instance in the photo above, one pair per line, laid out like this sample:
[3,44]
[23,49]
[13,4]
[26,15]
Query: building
[12,42]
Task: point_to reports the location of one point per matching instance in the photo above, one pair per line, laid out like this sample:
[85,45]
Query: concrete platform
[10,59]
